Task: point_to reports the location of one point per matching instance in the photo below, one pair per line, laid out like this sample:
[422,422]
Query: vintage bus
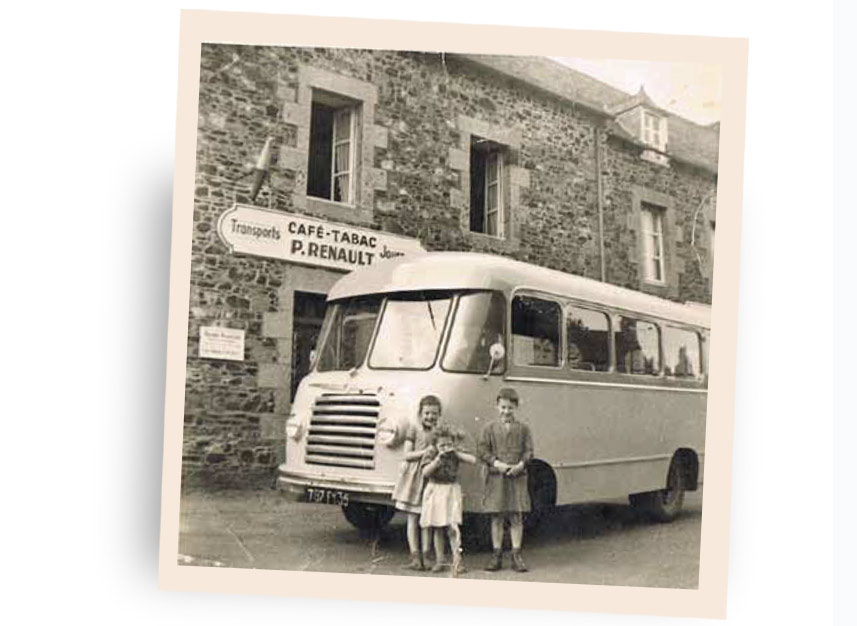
[612,382]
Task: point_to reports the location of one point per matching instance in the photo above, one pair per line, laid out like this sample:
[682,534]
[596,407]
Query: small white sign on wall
[221,343]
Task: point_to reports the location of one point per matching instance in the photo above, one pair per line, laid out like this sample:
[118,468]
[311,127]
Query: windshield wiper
[431,313]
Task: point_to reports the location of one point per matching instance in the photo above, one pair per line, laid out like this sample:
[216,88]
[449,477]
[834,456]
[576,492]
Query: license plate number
[326,496]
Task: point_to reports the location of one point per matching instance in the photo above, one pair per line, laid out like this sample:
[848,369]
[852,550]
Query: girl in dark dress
[506,446]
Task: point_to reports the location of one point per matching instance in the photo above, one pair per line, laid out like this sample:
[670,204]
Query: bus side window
[637,347]
[588,340]
[681,353]
[535,331]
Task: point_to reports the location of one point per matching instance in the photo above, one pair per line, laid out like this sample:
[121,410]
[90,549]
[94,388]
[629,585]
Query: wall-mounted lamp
[262,169]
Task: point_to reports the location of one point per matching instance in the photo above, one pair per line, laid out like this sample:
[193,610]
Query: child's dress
[510,444]
[442,495]
[408,492]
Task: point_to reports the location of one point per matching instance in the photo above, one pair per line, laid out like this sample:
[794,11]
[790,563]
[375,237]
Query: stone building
[357,154]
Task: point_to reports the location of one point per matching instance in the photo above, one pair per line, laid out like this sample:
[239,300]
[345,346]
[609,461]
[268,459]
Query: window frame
[668,326]
[650,254]
[611,347]
[617,329]
[653,129]
[547,297]
[454,320]
[337,103]
[325,332]
[441,342]
[492,151]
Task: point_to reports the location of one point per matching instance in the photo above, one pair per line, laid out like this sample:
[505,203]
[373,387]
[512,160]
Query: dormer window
[654,130]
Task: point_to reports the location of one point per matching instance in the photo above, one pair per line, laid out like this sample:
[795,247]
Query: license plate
[326,496]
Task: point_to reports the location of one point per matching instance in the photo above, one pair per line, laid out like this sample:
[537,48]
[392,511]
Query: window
[681,353]
[410,330]
[347,331]
[637,347]
[536,331]
[654,130]
[486,189]
[331,173]
[652,226]
[479,323]
[587,340]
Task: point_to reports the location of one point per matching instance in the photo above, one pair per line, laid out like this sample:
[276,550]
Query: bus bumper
[294,487]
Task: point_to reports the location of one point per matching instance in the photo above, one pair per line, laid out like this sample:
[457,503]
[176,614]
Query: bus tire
[365,516]
[663,505]
[541,483]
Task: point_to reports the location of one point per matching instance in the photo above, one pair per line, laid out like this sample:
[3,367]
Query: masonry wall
[424,107]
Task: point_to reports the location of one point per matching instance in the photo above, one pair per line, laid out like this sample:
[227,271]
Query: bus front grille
[342,430]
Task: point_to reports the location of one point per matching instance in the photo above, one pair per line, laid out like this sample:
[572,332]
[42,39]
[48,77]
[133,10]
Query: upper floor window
[487,212]
[654,130]
[652,225]
[536,331]
[331,173]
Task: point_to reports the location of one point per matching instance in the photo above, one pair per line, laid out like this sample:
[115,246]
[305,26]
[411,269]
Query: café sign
[300,239]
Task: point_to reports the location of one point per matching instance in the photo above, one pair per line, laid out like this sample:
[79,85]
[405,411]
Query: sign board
[301,239]
[221,343]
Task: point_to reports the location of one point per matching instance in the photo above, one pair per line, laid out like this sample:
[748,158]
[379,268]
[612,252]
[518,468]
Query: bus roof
[469,270]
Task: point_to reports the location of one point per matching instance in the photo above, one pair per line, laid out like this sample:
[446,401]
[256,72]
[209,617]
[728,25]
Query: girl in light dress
[408,492]
[442,501]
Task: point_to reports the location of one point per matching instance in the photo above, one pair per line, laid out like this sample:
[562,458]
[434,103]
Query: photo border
[709,599]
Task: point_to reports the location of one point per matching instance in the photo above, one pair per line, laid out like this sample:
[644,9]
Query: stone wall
[419,113]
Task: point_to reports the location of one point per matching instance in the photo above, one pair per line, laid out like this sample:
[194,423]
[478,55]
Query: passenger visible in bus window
[681,353]
[535,331]
[637,347]
[588,340]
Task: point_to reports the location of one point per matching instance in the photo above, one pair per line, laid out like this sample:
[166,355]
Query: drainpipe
[599,193]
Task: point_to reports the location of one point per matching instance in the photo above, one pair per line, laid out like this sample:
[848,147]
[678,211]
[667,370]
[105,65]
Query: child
[506,446]
[442,495]
[407,494]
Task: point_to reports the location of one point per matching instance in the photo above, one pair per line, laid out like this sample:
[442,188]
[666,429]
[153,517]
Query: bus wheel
[541,484]
[663,505]
[368,516]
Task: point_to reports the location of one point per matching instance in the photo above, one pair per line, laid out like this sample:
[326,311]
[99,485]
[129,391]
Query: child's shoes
[416,562]
[496,562]
[439,567]
[518,562]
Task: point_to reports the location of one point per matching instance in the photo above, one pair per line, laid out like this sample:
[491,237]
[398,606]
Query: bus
[613,383]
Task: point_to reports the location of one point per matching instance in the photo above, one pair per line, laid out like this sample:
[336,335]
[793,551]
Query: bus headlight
[388,433]
[294,429]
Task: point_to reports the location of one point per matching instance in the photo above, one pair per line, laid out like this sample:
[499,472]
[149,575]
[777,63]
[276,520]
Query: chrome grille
[342,430]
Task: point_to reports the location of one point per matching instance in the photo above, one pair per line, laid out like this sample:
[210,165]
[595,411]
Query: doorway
[308,315]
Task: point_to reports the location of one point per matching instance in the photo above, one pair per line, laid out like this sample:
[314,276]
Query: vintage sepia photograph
[449,315]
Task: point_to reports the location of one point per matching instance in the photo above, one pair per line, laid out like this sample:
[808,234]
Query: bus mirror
[496,352]
[312,356]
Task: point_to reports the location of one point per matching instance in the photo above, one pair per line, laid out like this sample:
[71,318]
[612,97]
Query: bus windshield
[479,323]
[347,331]
[410,330]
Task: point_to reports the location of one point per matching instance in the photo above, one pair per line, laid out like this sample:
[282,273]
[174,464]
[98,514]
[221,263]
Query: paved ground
[603,544]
